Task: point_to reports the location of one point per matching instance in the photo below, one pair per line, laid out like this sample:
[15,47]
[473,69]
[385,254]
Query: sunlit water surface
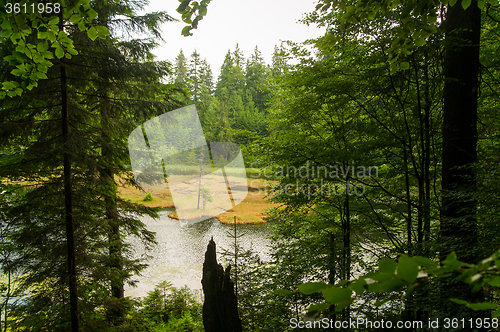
[180,252]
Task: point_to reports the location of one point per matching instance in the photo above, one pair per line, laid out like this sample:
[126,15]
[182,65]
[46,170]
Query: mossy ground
[252,210]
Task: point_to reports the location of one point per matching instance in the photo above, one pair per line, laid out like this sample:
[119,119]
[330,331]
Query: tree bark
[68,198]
[220,310]
[459,229]
[68,203]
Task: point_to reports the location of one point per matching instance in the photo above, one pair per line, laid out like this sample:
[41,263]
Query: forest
[376,145]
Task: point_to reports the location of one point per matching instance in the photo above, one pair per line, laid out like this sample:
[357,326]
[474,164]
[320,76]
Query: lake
[180,252]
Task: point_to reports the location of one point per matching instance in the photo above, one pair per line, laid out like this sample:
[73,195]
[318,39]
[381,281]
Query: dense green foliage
[51,173]
[376,220]
[234,108]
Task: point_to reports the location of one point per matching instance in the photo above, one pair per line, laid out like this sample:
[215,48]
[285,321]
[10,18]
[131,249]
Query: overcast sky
[246,22]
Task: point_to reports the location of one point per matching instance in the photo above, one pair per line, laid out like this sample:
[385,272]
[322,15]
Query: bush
[172,309]
[148,197]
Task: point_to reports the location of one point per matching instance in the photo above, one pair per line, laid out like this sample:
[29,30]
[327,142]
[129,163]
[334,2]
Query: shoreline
[252,210]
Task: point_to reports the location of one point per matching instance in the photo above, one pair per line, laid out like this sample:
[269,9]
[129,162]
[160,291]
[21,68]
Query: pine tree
[279,61]
[102,84]
[181,70]
[206,75]
[194,77]
[256,76]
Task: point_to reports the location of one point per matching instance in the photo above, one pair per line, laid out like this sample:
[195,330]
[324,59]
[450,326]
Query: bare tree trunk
[220,310]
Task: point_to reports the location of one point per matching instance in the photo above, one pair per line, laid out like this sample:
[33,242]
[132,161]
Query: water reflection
[180,252]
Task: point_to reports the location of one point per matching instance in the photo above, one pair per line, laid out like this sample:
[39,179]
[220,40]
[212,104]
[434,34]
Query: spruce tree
[181,70]
[194,77]
[102,87]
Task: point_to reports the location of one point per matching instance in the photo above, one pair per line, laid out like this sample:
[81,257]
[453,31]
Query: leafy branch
[408,272]
[31,57]
[188,9]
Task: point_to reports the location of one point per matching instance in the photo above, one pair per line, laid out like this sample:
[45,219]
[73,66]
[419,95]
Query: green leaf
[75,18]
[59,52]
[43,46]
[42,34]
[186,31]
[6,25]
[451,261]
[496,314]
[407,269]
[466,4]
[379,276]
[52,36]
[42,68]
[495,281]
[318,307]
[202,10]
[71,50]
[404,65]
[10,58]
[182,7]
[420,41]
[430,28]
[392,285]
[351,9]
[92,33]
[424,261]
[459,301]
[10,85]
[358,286]
[54,20]
[311,287]
[102,31]
[452,2]
[482,306]
[81,25]
[6,33]
[21,57]
[18,72]
[387,266]
[91,14]
[336,295]
[282,292]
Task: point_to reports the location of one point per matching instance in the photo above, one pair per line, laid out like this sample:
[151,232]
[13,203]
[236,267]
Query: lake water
[180,252]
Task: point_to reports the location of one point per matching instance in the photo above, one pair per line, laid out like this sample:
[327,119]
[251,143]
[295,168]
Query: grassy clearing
[252,210]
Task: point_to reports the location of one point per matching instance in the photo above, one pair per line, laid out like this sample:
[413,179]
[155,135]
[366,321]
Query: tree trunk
[116,313]
[459,230]
[68,197]
[220,310]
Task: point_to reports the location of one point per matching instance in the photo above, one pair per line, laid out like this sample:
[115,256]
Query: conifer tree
[181,70]
[206,75]
[194,77]
[256,76]
[105,83]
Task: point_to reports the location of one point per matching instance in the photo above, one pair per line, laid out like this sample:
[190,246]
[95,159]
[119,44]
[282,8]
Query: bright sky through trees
[246,22]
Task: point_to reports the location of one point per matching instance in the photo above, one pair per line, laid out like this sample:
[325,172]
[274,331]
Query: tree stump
[220,308]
